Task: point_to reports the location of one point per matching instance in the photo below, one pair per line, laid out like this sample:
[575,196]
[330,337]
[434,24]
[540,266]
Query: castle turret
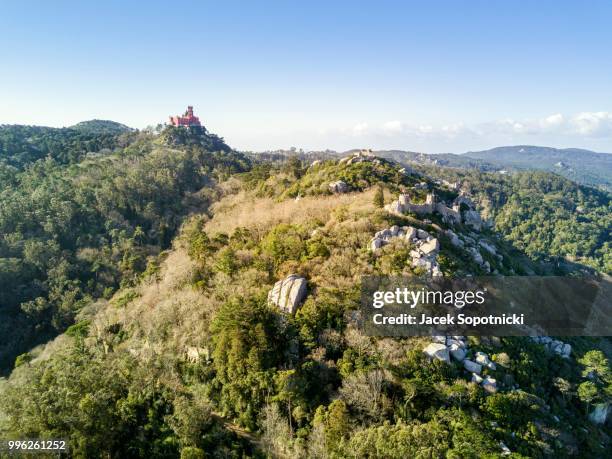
[404,199]
[188,119]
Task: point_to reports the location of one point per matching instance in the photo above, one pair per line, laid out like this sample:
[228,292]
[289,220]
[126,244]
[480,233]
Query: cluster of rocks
[287,294]
[339,186]
[359,157]
[473,246]
[553,345]
[445,347]
[424,253]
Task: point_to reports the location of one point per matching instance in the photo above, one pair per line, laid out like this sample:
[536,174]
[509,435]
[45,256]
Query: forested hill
[101,127]
[579,165]
[197,357]
[72,232]
[21,145]
[549,217]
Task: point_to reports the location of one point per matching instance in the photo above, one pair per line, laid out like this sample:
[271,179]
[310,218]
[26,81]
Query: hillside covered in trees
[581,166]
[74,232]
[22,145]
[549,217]
[148,271]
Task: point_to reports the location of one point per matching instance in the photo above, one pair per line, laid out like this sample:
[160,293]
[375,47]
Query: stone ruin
[452,214]
[288,293]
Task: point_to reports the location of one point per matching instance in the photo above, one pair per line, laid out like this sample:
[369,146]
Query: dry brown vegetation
[244,210]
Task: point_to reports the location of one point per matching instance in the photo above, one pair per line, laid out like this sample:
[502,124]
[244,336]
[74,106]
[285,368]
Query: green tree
[379,197]
[588,393]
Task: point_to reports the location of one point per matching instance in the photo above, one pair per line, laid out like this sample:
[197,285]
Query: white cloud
[398,127]
[453,130]
[393,126]
[553,120]
[586,129]
[360,129]
[596,124]
[585,124]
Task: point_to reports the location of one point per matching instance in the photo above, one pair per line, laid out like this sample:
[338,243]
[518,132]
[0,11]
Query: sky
[430,76]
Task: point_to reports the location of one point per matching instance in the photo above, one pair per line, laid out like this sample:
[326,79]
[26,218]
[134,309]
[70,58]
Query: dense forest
[23,145]
[155,260]
[549,217]
[72,233]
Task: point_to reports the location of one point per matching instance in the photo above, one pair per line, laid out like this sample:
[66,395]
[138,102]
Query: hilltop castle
[470,216]
[188,119]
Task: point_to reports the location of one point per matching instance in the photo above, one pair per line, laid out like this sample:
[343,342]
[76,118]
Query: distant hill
[441,159]
[102,127]
[21,145]
[583,166]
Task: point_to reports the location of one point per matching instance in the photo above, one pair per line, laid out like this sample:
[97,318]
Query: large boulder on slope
[457,352]
[489,384]
[376,244]
[472,367]
[472,218]
[288,293]
[338,187]
[411,233]
[430,247]
[437,351]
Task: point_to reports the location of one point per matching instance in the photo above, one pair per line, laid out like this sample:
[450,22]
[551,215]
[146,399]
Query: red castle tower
[186,120]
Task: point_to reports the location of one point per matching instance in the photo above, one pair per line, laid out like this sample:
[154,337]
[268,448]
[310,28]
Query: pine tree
[379,197]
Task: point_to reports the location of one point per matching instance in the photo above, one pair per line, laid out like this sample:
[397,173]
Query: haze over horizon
[441,77]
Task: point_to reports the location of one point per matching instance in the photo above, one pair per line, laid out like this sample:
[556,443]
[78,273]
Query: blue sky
[430,76]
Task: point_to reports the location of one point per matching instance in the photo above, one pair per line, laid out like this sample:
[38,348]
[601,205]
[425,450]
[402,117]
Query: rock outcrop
[425,251]
[483,359]
[553,345]
[338,186]
[472,218]
[600,414]
[472,366]
[429,247]
[288,293]
[457,348]
[458,352]
[359,157]
[454,239]
[489,384]
[437,351]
